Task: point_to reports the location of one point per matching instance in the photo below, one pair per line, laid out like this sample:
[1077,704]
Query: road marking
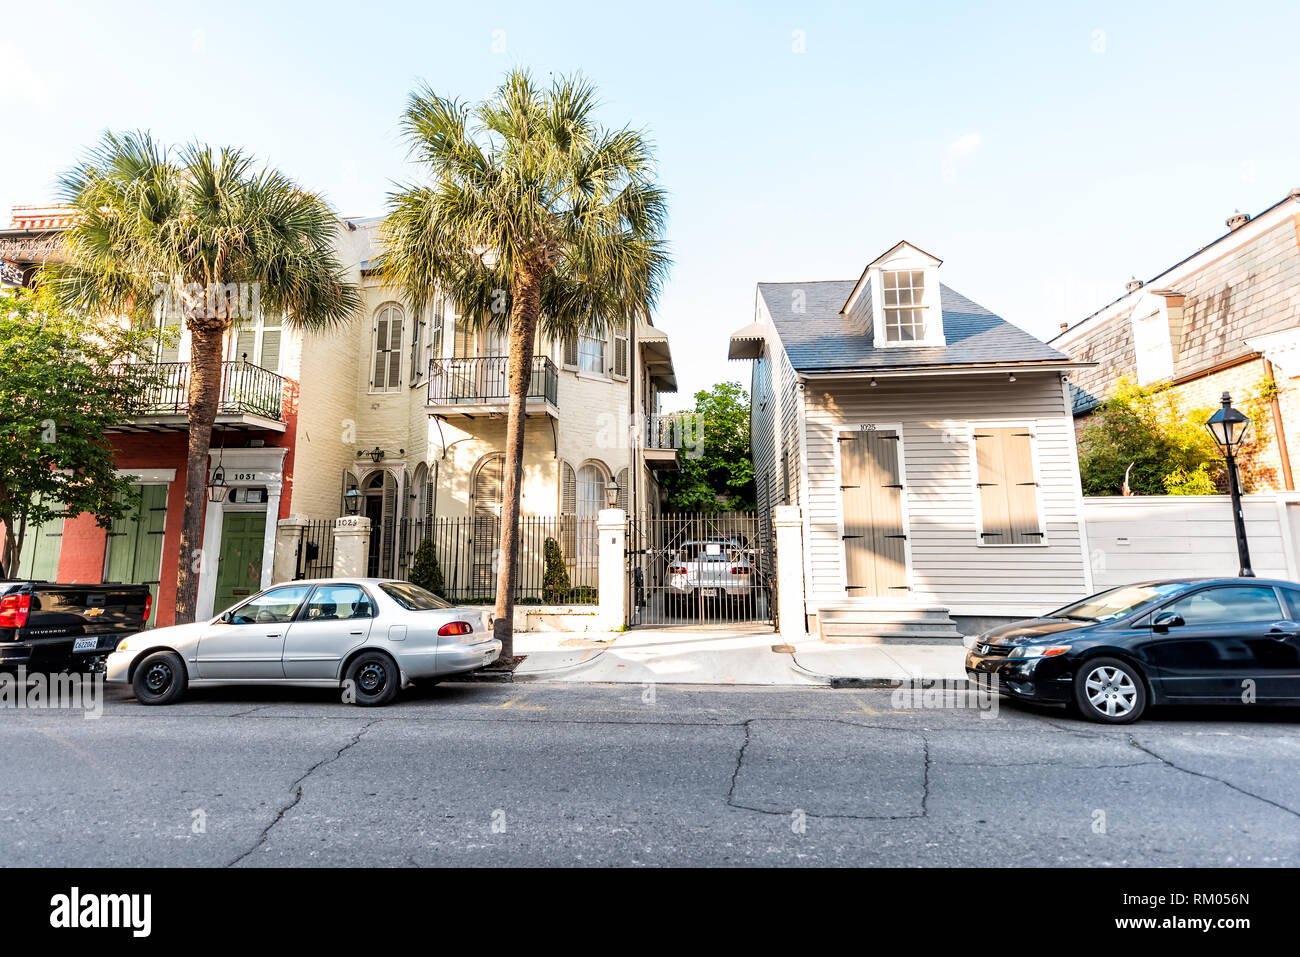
[863,709]
[515,704]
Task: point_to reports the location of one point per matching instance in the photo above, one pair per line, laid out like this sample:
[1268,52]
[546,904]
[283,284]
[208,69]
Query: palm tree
[192,224]
[533,214]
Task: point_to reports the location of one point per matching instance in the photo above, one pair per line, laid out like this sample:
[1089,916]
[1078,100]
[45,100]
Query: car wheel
[373,679]
[1110,691]
[159,679]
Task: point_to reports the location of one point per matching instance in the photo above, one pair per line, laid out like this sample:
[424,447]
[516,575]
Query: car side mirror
[1167,620]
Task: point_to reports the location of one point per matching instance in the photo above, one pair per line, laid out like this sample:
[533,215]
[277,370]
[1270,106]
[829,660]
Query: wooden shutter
[245,345]
[379,368]
[622,490]
[1008,490]
[570,352]
[871,499]
[568,512]
[270,358]
[417,344]
[395,349]
[463,346]
[620,351]
[488,492]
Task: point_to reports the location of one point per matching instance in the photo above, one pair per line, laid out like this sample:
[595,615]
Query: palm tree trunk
[204,396]
[523,323]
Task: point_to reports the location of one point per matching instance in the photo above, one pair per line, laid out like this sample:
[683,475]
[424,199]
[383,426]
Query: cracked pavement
[479,774]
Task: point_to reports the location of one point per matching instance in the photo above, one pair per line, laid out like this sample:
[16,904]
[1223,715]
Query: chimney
[1065,326]
[1133,285]
[1237,220]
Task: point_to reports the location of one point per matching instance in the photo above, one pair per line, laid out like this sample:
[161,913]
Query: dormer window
[904,305]
[897,300]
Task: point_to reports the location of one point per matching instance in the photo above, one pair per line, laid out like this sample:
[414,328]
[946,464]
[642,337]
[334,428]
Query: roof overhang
[748,343]
[657,356]
[900,372]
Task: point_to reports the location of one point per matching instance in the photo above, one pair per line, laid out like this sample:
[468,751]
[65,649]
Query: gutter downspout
[1282,451]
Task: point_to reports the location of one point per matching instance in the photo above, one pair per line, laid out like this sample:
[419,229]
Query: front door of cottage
[871,499]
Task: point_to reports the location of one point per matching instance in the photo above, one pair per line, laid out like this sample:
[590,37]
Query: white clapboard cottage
[930,448]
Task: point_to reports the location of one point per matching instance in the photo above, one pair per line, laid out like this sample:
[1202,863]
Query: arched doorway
[486,499]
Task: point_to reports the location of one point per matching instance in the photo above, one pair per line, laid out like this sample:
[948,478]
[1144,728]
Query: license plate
[708,593]
[85,644]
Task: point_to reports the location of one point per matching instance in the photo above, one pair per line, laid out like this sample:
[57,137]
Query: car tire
[159,679]
[1109,691]
[373,679]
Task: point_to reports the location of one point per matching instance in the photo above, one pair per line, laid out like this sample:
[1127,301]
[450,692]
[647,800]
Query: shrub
[425,570]
[555,577]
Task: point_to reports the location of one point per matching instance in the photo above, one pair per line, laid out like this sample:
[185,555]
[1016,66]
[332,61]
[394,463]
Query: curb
[880,684]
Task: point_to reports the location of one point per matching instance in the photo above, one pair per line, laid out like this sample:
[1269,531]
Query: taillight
[13,610]
[738,570]
[455,628]
[148,606]
[677,570]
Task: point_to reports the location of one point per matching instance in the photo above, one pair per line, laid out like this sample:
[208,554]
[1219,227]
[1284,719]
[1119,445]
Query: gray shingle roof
[820,339]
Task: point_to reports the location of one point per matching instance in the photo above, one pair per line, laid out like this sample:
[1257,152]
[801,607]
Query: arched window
[386,368]
[487,496]
[592,478]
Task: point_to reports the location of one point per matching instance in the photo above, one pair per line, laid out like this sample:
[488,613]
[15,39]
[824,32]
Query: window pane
[275,606]
[337,603]
[1222,606]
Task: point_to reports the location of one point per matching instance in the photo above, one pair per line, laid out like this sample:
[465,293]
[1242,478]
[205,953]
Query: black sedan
[1183,641]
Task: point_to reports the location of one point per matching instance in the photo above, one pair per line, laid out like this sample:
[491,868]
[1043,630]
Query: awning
[748,343]
[657,356]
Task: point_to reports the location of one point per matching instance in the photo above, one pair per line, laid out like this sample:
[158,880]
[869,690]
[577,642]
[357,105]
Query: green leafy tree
[425,569]
[718,473]
[532,215]
[1144,433]
[191,226]
[60,391]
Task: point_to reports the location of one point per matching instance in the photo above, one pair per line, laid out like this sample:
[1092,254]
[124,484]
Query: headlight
[1039,651]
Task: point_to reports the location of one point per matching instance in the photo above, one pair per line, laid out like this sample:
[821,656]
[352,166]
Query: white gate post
[792,621]
[351,546]
[611,527]
[288,540]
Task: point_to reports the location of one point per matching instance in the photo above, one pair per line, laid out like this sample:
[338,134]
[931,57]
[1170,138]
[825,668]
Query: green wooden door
[39,559]
[135,544]
[239,567]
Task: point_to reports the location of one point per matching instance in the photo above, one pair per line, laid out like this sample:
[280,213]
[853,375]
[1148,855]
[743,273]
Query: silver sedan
[368,636]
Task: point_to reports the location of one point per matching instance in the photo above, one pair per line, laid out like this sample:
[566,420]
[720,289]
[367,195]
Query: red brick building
[1225,318]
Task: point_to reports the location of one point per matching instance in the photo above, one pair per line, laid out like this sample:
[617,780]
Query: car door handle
[356,632]
[1279,633]
[276,635]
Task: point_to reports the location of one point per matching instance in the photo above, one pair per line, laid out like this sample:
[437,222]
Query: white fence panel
[1173,536]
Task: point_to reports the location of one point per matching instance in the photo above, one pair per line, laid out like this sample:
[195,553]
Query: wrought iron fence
[316,550]
[557,558]
[486,379]
[246,389]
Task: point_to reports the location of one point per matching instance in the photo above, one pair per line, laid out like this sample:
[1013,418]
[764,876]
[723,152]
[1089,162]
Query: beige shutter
[620,351]
[622,489]
[244,345]
[487,498]
[395,349]
[872,503]
[568,511]
[1008,490]
[417,346]
[388,531]
[570,352]
[379,368]
[270,350]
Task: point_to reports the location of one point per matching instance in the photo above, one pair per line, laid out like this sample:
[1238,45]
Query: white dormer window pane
[591,354]
[904,293]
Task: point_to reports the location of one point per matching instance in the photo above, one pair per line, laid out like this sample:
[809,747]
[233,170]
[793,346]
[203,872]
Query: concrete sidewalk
[740,655]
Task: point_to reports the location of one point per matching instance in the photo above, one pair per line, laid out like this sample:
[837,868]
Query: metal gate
[701,569]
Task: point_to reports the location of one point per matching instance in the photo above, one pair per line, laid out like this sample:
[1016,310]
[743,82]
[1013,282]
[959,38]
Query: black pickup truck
[48,627]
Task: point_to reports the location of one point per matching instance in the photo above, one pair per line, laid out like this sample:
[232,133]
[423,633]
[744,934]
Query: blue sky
[1045,152]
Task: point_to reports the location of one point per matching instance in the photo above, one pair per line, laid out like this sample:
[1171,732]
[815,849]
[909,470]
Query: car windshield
[1116,603]
[412,597]
[708,552]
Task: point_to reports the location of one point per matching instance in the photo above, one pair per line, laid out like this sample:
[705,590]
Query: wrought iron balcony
[472,384]
[666,435]
[248,392]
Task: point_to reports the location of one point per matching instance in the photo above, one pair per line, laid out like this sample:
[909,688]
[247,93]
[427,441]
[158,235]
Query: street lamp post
[1229,428]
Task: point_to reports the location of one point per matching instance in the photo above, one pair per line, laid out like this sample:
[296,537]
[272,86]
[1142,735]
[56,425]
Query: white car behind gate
[369,636]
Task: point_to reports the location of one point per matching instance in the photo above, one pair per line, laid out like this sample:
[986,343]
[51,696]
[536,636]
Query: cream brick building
[407,405]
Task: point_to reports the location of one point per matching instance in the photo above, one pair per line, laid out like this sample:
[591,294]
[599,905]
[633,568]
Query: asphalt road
[476,774]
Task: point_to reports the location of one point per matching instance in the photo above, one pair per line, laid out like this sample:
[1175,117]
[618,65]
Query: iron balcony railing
[485,380]
[670,431]
[246,389]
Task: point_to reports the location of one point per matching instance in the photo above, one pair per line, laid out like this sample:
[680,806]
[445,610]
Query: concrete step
[886,623]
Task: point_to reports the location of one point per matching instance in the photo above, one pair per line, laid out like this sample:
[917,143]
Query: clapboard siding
[947,564]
